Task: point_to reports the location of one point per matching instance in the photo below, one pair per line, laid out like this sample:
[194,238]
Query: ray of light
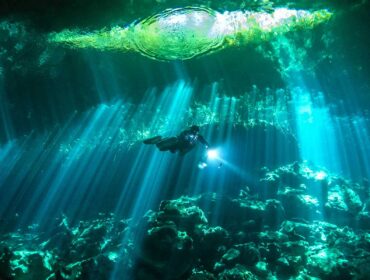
[325,139]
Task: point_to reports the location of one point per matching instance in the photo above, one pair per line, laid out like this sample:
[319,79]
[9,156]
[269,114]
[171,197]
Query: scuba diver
[183,143]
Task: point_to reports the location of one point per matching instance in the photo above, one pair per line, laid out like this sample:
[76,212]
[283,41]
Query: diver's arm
[203,141]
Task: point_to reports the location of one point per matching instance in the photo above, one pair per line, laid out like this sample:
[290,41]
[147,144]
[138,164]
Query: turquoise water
[282,95]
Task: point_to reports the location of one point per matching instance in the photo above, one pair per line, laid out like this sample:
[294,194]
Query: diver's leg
[184,150]
[153,140]
[168,144]
[162,143]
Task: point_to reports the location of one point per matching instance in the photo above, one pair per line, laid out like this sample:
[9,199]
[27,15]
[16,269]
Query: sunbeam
[217,140]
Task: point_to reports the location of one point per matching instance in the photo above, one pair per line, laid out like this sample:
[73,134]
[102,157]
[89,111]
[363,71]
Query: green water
[280,91]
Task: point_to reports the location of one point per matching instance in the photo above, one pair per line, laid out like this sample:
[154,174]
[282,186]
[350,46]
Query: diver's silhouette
[183,143]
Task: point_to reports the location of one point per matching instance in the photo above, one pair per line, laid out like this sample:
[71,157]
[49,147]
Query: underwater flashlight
[212,154]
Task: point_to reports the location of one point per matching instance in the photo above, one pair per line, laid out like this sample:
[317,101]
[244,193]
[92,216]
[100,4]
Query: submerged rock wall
[298,223]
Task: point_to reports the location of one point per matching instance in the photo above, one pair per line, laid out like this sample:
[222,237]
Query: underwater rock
[317,231]
[39,258]
[183,212]
[97,236]
[352,200]
[301,230]
[250,209]
[103,267]
[94,268]
[253,239]
[289,265]
[5,266]
[201,275]
[213,236]
[167,250]
[219,267]
[209,201]
[296,176]
[271,237]
[239,272]
[361,266]
[210,244]
[61,241]
[300,186]
[261,269]
[336,209]
[274,213]
[299,205]
[234,212]
[231,257]
[245,214]
[31,266]
[273,252]
[252,225]
[249,254]
[295,248]
[363,218]
[327,264]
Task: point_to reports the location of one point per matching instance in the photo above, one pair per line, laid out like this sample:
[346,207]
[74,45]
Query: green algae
[184,33]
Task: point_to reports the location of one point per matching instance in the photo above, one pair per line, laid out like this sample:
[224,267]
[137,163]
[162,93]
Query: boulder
[183,212]
[167,250]
[210,244]
[299,205]
[249,254]
[231,257]
[289,265]
[326,263]
[261,269]
[274,213]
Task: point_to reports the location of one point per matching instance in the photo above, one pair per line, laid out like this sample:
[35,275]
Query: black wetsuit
[182,143]
[188,140]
